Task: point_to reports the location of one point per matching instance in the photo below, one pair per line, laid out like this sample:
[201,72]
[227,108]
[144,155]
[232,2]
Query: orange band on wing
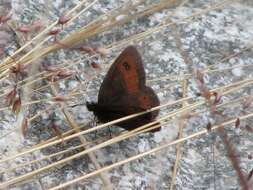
[130,78]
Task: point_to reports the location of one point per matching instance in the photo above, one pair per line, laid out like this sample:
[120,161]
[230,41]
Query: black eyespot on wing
[126,66]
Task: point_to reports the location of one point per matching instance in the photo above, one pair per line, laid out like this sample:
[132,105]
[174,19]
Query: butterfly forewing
[126,76]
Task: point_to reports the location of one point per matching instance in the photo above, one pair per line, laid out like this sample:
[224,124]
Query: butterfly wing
[125,76]
[123,92]
[127,105]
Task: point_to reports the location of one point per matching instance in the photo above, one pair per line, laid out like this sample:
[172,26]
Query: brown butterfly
[124,92]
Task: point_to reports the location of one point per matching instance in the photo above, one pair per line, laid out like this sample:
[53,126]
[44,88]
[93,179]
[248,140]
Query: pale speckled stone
[205,39]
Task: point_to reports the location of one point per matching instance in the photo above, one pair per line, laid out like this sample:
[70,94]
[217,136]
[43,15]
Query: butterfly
[124,92]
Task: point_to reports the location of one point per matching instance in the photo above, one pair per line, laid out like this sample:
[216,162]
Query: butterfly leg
[110,131]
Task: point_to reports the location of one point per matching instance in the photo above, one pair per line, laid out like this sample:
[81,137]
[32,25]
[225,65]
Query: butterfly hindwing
[129,104]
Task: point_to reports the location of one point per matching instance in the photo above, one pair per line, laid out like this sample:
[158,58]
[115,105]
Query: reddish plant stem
[235,162]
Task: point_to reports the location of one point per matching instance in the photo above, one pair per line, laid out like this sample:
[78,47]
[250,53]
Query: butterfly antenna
[72,106]
[90,105]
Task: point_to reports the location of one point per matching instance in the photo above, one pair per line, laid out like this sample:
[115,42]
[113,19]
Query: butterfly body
[124,92]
